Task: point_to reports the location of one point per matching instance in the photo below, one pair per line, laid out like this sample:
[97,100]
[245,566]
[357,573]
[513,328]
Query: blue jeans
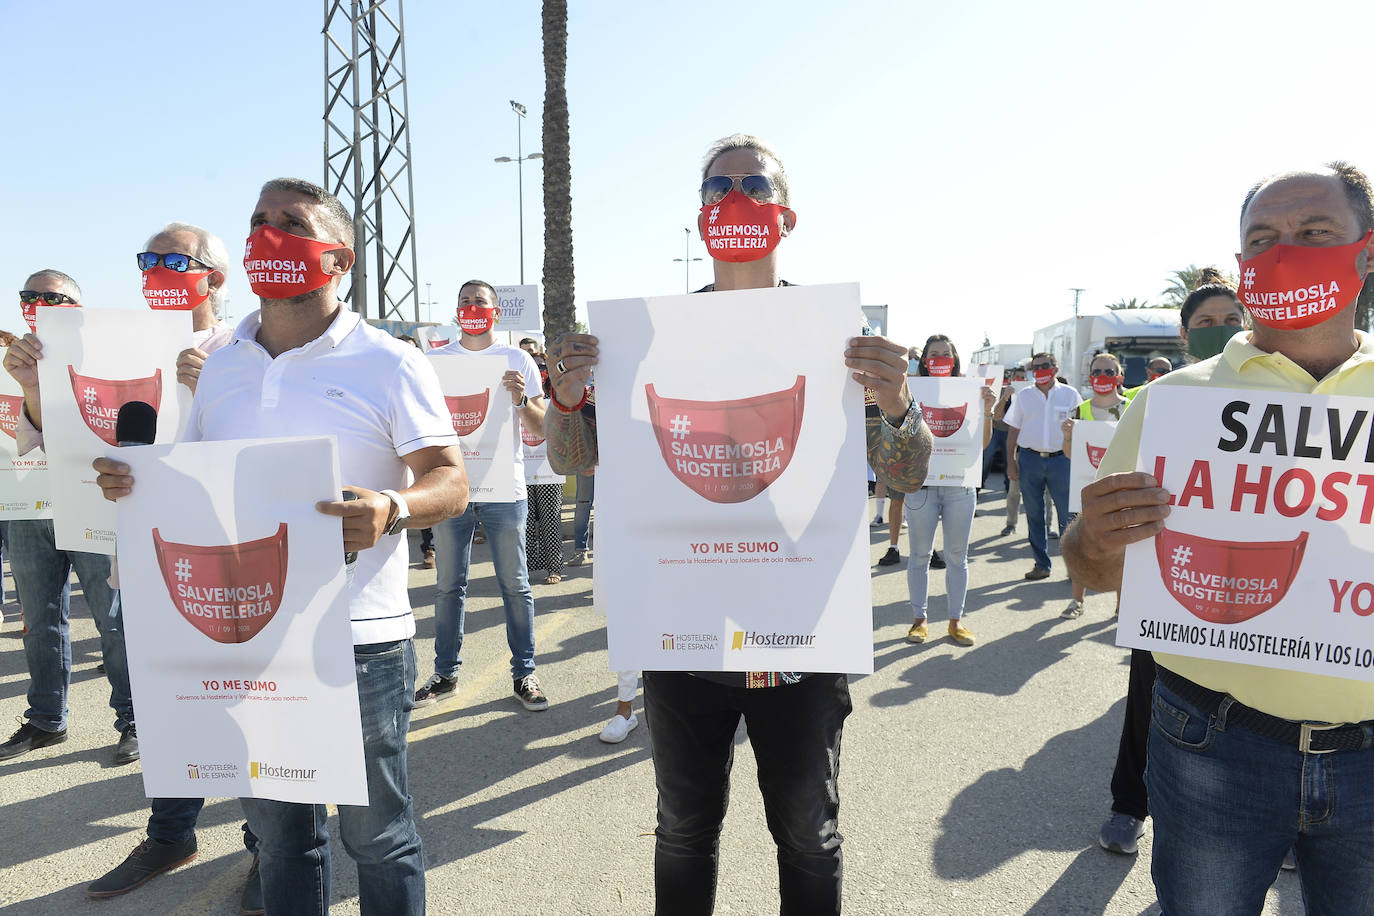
[173,820]
[997,443]
[505,527]
[924,509]
[1228,803]
[293,841]
[1036,473]
[795,731]
[41,572]
[582,514]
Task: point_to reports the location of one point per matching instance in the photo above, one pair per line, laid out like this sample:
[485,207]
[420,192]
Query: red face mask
[740,229]
[468,411]
[940,366]
[1043,376]
[281,265]
[476,319]
[30,311]
[944,421]
[1152,374]
[227,592]
[1262,572]
[1291,287]
[100,398]
[10,405]
[1105,384]
[165,288]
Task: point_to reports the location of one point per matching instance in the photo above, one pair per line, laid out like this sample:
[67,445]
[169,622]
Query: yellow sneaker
[918,632]
[960,635]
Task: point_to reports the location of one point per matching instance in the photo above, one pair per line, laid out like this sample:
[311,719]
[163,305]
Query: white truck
[1136,336]
[1007,356]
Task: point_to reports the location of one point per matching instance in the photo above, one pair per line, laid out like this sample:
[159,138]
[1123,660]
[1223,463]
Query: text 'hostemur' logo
[752,639]
[259,770]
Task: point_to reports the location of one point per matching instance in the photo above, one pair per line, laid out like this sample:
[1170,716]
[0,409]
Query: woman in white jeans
[929,505]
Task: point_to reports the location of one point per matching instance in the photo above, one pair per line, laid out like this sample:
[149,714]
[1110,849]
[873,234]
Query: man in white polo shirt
[504,522]
[305,365]
[1035,452]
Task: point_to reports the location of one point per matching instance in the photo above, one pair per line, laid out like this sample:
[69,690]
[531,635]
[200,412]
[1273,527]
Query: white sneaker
[619,728]
[579,557]
[877,522]
[1073,611]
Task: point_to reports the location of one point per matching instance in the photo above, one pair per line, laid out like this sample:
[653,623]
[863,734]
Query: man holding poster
[305,365]
[795,720]
[1245,759]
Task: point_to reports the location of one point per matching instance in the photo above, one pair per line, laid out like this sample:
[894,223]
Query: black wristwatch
[524,399]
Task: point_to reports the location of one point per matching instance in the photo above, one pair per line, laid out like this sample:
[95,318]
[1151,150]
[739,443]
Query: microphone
[136,424]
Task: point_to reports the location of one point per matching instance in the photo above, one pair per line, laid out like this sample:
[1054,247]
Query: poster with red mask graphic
[236,622]
[953,409]
[537,467]
[432,338]
[1267,552]
[95,361]
[484,422]
[1089,444]
[729,469]
[24,488]
[991,374]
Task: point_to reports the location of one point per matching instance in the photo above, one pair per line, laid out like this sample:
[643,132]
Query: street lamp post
[686,259]
[519,161]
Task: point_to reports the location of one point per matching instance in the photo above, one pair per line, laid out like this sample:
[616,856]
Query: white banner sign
[991,374]
[1266,555]
[519,308]
[24,488]
[482,416]
[94,361]
[537,467]
[236,617]
[432,338]
[1089,443]
[754,542]
[953,409]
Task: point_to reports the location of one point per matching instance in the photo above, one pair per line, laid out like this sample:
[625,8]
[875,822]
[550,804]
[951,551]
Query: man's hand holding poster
[1090,441]
[236,617]
[1267,553]
[739,540]
[483,419]
[24,488]
[953,409]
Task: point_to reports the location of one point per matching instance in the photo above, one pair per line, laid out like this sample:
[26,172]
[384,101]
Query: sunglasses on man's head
[754,187]
[30,297]
[181,263]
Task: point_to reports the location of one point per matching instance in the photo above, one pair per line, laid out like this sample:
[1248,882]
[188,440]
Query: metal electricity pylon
[367,152]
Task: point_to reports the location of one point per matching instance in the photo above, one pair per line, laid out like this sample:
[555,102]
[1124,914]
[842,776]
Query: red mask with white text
[1291,287]
[166,289]
[31,315]
[476,319]
[738,228]
[1043,376]
[1105,384]
[940,366]
[281,265]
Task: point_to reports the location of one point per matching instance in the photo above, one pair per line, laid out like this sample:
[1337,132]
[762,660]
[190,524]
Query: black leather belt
[1022,448]
[1307,737]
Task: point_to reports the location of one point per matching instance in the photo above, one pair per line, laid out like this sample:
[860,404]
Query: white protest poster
[236,621]
[1267,553]
[953,409]
[537,467]
[520,309]
[95,361]
[482,417]
[991,374]
[732,533]
[24,488]
[1089,443]
[432,338]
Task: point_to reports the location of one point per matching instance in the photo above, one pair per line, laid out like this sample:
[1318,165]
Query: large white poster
[991,375]
[1089,443]
[236,620]
[732,533]
[953,409]
[24,488]
[94,361]
[437,336]
[1266,555]
[482,417]
[519,308]
[537,467]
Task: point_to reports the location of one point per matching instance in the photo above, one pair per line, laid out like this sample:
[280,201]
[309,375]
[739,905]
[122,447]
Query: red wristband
[553,396]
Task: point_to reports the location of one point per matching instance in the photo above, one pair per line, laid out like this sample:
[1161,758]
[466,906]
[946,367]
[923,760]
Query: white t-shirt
[376,395]
[1038,416]
[521,362]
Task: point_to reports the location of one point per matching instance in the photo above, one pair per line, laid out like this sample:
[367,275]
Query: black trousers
[1128,778]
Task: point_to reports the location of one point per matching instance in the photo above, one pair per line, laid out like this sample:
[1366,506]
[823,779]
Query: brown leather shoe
[1037,572]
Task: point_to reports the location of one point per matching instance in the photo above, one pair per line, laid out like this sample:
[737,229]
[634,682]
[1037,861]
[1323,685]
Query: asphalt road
[973,780]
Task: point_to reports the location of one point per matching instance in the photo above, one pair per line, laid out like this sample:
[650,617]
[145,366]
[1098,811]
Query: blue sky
[965,163]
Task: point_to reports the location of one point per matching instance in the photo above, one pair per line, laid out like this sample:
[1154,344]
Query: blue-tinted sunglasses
[181,263]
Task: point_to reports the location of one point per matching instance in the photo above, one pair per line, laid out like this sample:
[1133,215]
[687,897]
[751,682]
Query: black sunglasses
[29,297]
[755,187]
[181,263]
[1103,372]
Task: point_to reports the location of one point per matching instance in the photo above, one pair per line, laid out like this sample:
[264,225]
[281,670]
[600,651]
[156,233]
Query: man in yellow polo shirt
[1234,778]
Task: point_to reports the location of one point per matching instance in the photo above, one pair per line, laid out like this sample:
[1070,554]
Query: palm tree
[559,308]
[1182,282]
[1364,306]
[1131,303]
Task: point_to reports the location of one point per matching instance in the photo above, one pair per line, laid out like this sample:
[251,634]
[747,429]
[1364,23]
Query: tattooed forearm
[899,457]
[571,439]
